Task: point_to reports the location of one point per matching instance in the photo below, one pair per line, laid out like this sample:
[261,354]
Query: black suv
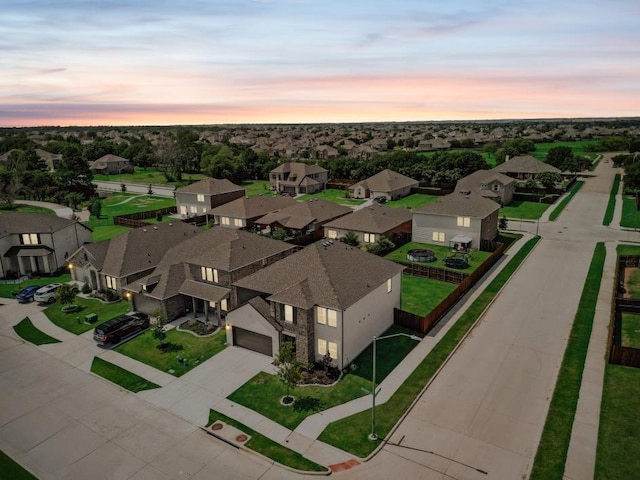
[121,327]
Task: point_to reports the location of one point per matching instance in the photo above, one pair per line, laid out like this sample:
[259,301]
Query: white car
[46,294]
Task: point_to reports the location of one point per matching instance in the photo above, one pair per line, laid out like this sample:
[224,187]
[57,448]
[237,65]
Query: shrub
[86,289]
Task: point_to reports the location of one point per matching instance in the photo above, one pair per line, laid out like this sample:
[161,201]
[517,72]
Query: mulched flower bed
[198,327]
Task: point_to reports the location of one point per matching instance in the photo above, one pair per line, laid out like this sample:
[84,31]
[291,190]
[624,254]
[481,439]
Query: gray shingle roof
[525,164]
[475,179]
[301,169]
[387,181]
[252,207]
[16,223]
[331,275]
[302,214]
[211,186]
[373,219]
[460,204]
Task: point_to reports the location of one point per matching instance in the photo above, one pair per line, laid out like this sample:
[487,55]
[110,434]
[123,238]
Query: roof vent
[171,224]
[155,228]
[144,229]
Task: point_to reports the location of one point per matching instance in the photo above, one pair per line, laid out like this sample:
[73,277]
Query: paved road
[485,410]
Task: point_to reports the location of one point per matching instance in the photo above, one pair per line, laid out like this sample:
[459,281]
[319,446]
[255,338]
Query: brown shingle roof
[373,219]
[15,223]
[301,169]
[462,204]
[211,186]
[333,275]
[387,181]
[477,178]
[525,164]
[302,214]
[252,207]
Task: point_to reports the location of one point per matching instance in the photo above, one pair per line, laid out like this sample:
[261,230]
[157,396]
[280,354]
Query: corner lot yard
[187,351]
[476,257]
[630,215]
[421,295]
[523,210]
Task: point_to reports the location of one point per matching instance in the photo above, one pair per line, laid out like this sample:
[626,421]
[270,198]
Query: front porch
[27,259]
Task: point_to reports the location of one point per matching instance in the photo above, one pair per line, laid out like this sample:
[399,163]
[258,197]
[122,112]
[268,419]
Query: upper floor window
[326,316]
[464,221]
[201,197]
[209,274]
[30,239]
[288,313]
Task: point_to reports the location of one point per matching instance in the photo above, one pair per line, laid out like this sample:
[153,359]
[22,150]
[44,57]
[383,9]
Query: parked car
[117,329]
[455,262]
[46,294]
[381,199]
[26,294]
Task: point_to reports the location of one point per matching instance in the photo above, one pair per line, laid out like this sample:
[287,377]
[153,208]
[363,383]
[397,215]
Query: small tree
[289,369]
[351,238]
[65,294]
[96,208]
[279,234]
[381,247]
[503,223]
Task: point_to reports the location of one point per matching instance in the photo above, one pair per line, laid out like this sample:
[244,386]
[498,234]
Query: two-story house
[464,215]
[490,184]
[111,165]
[296,178]
[196,275]
[327,298]
[243,212]
[371,223]
[35,242]
[200,197]
[523,167]
[120,260]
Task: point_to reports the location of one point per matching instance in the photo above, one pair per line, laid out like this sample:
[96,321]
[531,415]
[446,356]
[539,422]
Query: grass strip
[350,434]
[9,469]
[74,321]
[552,451]
[618,452]
[267,447]
[608,214]
[27,331]
[565,201]
[118,375]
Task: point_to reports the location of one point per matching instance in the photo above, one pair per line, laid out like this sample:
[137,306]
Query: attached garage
[252,341]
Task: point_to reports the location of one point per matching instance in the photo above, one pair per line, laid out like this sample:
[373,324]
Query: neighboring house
[120,260]
[371,223]
[490,184]
[387,183]
[466,216]
[244,211]
[524,167]
[35,242]
[111,165]
[200,197]
[434,144]
[303,217]
[296,178]
[196,275]
[328,297]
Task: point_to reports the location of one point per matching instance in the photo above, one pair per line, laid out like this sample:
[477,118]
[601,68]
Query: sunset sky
[162,62]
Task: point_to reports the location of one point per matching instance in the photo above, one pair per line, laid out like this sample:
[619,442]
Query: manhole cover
[216,426]
[241,438]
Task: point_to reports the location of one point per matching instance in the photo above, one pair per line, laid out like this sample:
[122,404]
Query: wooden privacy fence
[135,220]
[618,353]
[425,324]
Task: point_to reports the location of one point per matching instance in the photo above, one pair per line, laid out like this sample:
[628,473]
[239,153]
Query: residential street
[484,412]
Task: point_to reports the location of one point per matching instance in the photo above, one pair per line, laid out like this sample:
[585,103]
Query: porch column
[206,311]
[34,265]
[47,264]
[193,307]
[218,312]
[21,265]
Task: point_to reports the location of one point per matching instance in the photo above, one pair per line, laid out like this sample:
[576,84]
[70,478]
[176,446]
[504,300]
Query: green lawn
[611,205]
[421,295]
[267,447]
[8,290]
[631,330]
[630,216]
[628,249]
[257,187]
[415,200]
[332,195]
[263,392]
[11,470]
[27,331]
[618,452]
[577,147]
[120,376]
[192,350]
[565,201]
[632,282]
[551,456]
[106,232]
[476,257]
[149,175]
[74,322]
[522,209]
[351,433]
[20,208]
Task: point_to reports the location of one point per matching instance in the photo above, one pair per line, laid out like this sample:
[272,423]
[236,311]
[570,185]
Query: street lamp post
[372,435]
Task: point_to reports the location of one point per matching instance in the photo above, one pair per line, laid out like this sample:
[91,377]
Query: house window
[193,209]
[322,346]
[438,236]
[209,274]
[495,187]
[389,286]
[288,313]
[333,350]
[224,305]
[369,238]
[464,221]
[332,234]
[224,221]
[237,222]
[326,316]
[111,282]
[30,239]
[201,198]
[183,209]
[483,186]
